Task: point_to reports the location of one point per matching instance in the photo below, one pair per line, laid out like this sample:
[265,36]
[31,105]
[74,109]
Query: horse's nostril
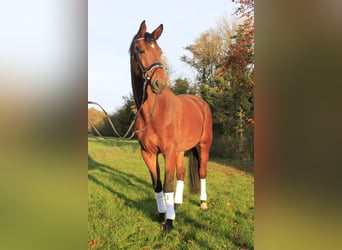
[157,84]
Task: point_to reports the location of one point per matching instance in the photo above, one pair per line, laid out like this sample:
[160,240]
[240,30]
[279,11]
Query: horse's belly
[190,132]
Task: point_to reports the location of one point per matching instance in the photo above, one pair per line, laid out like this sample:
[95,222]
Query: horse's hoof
[168,225]
[177,206]
[203,206]
[161,217]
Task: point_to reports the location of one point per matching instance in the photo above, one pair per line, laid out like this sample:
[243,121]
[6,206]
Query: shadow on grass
[246,166]
[147,206]
[227,234]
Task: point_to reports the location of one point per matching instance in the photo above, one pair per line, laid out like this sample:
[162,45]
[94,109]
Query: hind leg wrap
[203,196]
[179,192]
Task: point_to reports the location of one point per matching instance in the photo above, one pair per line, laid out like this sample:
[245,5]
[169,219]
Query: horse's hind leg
[151,161]
[180,173]
[204,157]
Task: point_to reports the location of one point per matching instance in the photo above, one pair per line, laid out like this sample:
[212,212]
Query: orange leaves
[250,122]
[241,53]
[93,243]
[215,203]
[230,205]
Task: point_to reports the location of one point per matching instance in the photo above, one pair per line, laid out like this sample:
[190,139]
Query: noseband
[145,71]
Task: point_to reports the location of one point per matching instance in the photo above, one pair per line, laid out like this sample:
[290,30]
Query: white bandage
[203,190]
[179,192]
[170,210]
[160,202]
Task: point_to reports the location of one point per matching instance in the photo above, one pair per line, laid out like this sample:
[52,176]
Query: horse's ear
[142,30]
[157,32]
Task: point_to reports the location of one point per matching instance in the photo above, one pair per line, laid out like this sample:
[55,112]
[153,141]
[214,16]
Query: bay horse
[169,125]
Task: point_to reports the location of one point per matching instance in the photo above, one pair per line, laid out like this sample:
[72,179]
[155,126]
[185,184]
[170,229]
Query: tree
[95,117]
[238,67]
[206,53]
[224,61]
[181,86]
[121,118]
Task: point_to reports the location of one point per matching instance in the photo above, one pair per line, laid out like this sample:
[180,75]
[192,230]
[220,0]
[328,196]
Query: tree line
[222,62]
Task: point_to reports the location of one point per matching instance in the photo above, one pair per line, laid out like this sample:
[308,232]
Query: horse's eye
[141,51]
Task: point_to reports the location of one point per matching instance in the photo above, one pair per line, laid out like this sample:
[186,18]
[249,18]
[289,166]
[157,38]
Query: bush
[233,147]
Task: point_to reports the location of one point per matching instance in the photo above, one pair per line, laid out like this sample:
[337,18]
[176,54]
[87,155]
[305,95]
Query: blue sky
[112,25]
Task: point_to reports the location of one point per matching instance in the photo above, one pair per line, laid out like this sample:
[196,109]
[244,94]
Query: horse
[170,125]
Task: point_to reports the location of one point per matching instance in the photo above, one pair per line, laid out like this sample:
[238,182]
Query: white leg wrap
[160,202]
[170,210]
[203,190]
[179,192]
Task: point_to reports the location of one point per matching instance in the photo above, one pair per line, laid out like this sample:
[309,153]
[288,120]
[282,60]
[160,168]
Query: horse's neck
[155,103]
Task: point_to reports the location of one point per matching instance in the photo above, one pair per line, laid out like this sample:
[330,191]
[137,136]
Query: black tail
[194,178]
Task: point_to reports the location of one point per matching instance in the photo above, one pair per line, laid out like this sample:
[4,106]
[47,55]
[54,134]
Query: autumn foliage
[240,54]
[223,59]
[239,62]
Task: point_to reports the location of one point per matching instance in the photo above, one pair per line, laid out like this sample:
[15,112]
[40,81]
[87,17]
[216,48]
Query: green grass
[122,210]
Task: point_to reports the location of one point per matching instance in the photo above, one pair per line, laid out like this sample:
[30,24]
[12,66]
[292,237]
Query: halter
[145,71]
[144,74]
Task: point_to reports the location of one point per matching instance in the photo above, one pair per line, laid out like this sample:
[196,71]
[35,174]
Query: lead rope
[132,123]
[112,125]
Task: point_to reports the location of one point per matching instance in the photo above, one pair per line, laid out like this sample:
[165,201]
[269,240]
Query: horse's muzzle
[158,86]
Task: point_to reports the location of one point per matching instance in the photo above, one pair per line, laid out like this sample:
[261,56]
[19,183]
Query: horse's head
[146,58]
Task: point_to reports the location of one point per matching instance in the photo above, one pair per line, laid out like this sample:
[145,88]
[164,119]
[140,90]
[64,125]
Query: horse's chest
[149,142]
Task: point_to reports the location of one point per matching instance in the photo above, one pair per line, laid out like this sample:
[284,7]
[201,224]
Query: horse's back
[192,103]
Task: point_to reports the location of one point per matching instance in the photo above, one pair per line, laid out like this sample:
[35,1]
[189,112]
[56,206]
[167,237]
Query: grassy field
[122,210]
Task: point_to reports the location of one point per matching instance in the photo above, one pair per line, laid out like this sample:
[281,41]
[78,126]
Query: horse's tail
[194,164]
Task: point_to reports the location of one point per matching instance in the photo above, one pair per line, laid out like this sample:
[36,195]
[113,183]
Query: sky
[112,25]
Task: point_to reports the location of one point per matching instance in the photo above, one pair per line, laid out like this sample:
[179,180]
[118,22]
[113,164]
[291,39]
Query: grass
[122,210]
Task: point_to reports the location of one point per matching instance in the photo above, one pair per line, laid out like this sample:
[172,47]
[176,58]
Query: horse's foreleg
[170,165]
[151,161]
[180,173]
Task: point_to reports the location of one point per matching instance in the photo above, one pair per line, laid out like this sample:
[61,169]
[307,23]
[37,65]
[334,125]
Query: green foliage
[206,53]
[122,210]
[181,86]
[224,61]
[121,119]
